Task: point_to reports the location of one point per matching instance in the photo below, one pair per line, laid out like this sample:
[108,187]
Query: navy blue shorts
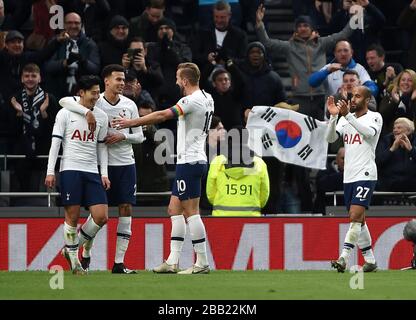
[123,185]
[81,188]
[187,183]
[359,193]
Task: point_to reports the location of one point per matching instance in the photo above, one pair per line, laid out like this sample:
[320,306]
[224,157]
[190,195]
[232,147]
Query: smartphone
[133,52]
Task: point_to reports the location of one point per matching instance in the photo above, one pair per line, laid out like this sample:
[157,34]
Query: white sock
[71,244]
[198,236]
[177,236]
[87,243]
[87,233]
[364,243]
[351,239]
[123,238]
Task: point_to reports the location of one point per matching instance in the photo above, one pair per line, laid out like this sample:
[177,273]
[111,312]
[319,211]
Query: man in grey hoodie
[305,52]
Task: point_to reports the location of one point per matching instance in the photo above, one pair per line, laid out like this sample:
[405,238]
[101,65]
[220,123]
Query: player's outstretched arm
[152,118]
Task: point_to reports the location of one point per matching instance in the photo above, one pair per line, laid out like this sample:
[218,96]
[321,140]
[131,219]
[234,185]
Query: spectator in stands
[146,25]
[149,74]
[169,52]
[134,91]
[95,15]
[238,184]
[305,53]
[151,176]
[35,112]
[330,180]
[373,23]
[216,138]
[396,158]
[117,42]
[263,86]
[42,31]
[221,42]
[331,74]
[227,88]
[350,80]
[76,57]
[400,100]
[205,12]
[12,60]
[407,20]
[382,73]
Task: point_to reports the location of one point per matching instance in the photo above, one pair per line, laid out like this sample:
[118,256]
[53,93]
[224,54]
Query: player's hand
[344,107]
[260,14]
[50,180]
[112,138]
[121,123]
[106,182]
[343,91]
[332,108]
[405,142]
[334,67]
[92,123]
[17,106]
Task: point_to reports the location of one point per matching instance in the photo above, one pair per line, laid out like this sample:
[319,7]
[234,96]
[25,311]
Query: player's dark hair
[190,71]
[366,92]
[87,82]
[109,69]
[377,48]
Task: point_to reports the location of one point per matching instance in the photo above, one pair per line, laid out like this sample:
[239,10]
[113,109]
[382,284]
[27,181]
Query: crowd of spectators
[327,55]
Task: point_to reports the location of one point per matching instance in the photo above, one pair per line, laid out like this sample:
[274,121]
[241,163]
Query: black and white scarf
[31,118]
[71,81]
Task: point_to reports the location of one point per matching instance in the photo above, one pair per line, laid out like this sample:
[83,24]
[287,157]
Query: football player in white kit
[80,181]
[121,163]
[360,130]
[194,113]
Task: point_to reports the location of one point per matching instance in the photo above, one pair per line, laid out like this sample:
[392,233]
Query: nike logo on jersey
[73,120]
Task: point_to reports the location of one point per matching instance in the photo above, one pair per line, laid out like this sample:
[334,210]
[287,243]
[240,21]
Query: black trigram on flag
[268,115]
[305,152]
[267,142]
[311,123]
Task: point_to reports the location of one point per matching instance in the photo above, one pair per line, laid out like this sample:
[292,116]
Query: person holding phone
[149,72]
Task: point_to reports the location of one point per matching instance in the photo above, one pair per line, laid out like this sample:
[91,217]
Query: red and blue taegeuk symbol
[288,133]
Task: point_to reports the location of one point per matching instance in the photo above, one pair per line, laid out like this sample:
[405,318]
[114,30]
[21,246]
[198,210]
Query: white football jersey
[195,113]
[359,150]
[79,145]
[121,153]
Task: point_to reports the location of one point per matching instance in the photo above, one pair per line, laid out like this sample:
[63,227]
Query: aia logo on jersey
[351,139]
[77,135]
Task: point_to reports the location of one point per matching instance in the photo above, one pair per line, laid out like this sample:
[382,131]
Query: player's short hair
[87,82]
[190,71]
[366,92]
[31,68]
[109,69]
[351,72]
[377,48]
[219,72]
[157,4]
[222,5]
[407,122]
